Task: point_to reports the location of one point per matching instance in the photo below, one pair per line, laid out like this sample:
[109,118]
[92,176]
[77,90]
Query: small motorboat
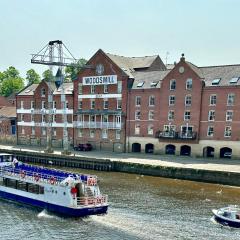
[228,216]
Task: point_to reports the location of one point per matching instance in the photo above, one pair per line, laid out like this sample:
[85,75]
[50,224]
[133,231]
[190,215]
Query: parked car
[83,147]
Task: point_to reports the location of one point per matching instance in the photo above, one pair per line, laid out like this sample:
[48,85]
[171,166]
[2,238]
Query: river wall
[201,175]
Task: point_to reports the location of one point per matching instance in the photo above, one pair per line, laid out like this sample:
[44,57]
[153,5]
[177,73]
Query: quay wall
[192,174]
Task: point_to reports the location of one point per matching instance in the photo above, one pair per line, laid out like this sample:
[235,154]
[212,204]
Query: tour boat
[228,216]
[65,193]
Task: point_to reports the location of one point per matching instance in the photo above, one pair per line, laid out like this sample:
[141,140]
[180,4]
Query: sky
[206,31]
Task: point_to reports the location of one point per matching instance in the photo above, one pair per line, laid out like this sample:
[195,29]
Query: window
[22,117]
[152,101]
[234,80]
[153,84]
[105,88]
[43,130]
[169,128]
[32,104]
[119,87]
[54,104]
[138,101]
[80,88]
[43,118]
[216,81]
[139,85]
[54,132]
[171,100]
[22,106]
[170,115]
[66,104]
[213,100]
[23,130]
[80,104]
[229,116]
[187,115]
[104,133]
[210,131]
[43,104]
[118,134]
[33,130]
[80,118]
[92,118]
[137,129]
[150,129]
[32,118]
[211,115]
[119,104]
[93,88]
[43,92]
[92,103]
[92,133]
[188,100]
[151,115]
[173,84]
[137,115]
[105,104]
[189,84]
[80,132]
[230,99]
[228,131]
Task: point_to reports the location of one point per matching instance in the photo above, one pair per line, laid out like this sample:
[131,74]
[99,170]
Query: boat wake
[45,214]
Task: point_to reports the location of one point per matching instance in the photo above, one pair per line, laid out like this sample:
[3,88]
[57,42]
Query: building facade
[137,104]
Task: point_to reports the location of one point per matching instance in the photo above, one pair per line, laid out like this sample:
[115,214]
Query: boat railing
[31,175]
[98,200]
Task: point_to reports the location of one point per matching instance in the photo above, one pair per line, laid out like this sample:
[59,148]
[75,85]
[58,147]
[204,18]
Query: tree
[48,75]
[32,77]
[73,70]
[10,81]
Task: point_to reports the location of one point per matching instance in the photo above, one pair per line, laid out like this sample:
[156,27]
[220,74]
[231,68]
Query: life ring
[52,180]
[23,174]
[37,177]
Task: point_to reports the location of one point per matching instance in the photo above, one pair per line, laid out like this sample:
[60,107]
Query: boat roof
[5,154]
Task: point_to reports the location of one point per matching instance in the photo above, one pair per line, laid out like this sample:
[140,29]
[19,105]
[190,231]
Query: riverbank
[221,171]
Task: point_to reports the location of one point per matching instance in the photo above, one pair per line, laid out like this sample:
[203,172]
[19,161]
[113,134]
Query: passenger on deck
[15,162]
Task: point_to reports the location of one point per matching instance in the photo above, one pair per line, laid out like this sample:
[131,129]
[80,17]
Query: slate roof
[147,78]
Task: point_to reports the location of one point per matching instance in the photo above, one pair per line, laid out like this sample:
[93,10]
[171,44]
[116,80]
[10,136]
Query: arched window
[188,100]
[189,84]
[173,84]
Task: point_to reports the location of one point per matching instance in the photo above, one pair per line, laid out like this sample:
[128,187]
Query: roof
[8,112]
[224,72]
[130,64]
[148,78]
[28,90]
[4,102]
[68,89]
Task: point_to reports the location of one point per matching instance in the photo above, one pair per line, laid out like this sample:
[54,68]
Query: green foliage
[10,81]
[72,71]
[32,77]
[48,75]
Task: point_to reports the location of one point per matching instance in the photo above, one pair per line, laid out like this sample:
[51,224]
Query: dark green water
[141,207]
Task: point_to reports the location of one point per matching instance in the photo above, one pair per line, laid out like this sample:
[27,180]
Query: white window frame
[93,103]
[80,88]
[228,133]
[23,130]
[32,105]
[151,115]
[43,131]
[104,133]
[229,115]
[189,83]
[138,101]
[137,115]
[171,100]
[22,104]
[105,104]
[54,132]
[187,117]
[119,87]
[93,89]
[33,131]
[118,134]
[137,129]
[151,101]
[119,103]
[150,129]
[171,115]
[213,100]
[80,132]
[105,88]
[187,97]
[92,133]
[43,104]
[232,97]
[172,83]
[80,104]
[210,133]
[43,92]
[211,115]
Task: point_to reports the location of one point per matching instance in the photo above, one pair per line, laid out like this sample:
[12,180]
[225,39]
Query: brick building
[138,104]
[33,112]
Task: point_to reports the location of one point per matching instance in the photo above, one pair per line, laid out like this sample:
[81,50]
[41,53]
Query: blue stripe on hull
[227,222]
[69,212]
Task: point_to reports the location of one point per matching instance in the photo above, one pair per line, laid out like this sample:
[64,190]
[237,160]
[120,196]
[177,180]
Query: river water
[141,207]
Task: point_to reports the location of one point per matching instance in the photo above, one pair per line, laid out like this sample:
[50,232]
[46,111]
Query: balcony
[176,135]
[105,125]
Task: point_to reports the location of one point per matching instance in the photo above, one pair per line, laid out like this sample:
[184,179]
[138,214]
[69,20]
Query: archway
[225,152]
[185,150]
[170,149]
[208,152]
[136,147]
[149,148]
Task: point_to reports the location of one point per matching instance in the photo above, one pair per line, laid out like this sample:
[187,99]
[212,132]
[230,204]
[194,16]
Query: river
[141,207]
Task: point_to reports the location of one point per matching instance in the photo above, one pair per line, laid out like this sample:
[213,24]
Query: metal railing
[108,125]
[99,200]
[176,135]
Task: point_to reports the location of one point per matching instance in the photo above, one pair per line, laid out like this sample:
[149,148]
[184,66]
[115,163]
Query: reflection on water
[141,207]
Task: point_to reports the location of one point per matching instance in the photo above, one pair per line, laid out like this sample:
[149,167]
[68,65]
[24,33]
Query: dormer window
[216,81]
[139,85]
[234,80]
[43,92]
[153,84]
